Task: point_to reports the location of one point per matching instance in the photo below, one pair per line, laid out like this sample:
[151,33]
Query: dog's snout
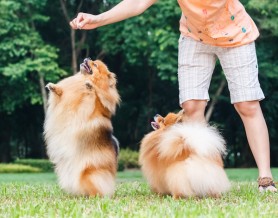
[85,67]
[87,59]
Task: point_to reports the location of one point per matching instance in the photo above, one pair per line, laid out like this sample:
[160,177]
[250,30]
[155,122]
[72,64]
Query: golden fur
[183,158]
[78,130]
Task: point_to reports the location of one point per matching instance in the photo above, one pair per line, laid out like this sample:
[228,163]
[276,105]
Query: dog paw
[215,195]
[50,86]
[54,88]
[177,196]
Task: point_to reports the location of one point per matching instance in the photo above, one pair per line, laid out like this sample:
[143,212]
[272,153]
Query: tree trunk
[74,51]
[215,99]
[5,139]
[43,92]
[81,42]
[150,93]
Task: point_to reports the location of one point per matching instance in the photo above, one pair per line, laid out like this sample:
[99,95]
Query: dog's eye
[95,64]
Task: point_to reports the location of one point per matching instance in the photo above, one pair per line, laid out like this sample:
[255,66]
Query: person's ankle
[265,173]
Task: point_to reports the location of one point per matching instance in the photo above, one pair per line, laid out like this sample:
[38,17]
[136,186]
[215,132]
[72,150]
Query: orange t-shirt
[223,23]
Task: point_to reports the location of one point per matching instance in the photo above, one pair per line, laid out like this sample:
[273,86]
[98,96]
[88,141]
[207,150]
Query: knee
[194,109]
[247,109]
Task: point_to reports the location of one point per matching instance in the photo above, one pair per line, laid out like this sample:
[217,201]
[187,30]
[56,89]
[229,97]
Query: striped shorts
[197,62]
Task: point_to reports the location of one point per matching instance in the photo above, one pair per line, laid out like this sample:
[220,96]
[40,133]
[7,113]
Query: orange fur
[78,131]
[169,159]
[86,182]
[169,119]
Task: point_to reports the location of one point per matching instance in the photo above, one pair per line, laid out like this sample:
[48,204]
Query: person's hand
[84,21]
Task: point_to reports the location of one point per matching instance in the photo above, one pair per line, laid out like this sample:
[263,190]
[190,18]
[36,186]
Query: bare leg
[257,135]
[195,109]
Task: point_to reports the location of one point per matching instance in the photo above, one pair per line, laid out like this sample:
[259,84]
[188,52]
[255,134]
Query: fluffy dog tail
[193,138]
[214,183]
[202,172]
[197,176]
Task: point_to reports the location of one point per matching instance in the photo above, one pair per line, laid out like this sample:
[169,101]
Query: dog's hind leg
[97,182]
[177,181]
[87,185]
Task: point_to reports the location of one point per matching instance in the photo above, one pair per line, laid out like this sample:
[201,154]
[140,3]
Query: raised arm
[124,10]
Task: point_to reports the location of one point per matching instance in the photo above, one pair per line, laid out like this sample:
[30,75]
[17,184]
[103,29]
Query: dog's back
[184,159]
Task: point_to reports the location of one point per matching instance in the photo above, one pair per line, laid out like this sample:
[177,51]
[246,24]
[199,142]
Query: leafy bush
[18,168]
[43,164]
[121,165]
[128,158]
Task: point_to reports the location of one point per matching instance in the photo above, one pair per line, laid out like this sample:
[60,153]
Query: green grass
[38,195]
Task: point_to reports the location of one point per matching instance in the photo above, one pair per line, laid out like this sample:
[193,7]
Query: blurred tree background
[37,46]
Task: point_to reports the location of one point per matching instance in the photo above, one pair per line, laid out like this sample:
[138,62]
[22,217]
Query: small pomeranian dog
[183,158]
[78,130]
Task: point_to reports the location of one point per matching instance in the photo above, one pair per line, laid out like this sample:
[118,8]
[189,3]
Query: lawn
[37,195]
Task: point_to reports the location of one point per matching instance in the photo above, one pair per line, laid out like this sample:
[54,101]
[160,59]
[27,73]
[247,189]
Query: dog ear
[54,88]
[170,119]
[155,125]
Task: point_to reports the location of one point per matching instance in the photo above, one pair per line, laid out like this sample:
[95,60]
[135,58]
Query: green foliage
[266,14]
[121,166]
[43,164]
[18,168]
[148,41]
[25,55]
[128,159]
[26,61]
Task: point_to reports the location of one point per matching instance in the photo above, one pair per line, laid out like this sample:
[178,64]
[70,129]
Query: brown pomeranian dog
[183,158]
[78,130]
